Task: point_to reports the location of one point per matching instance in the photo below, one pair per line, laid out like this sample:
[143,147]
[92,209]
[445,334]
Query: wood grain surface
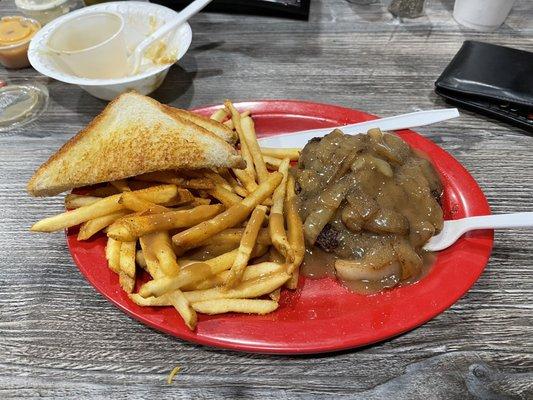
[61,339]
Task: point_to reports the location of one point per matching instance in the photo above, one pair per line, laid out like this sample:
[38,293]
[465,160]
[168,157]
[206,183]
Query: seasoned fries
[229,218]
[291,154]
[245,150]
[222,306]
[248,131]
[130,228]
[163,221]
[112,254]
[248,241]
[225,196]
[247,289]
[183,307]
[135,203]
[295,230]
[93,226]
[276,223]
[107,205]
[73,201]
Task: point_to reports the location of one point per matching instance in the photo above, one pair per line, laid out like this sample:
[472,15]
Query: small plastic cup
[92,45]
[482,15]
[15,35]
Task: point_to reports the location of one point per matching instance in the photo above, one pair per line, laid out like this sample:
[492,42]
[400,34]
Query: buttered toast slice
[133,135]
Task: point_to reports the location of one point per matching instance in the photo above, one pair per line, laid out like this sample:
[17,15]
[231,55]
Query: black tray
[297,9]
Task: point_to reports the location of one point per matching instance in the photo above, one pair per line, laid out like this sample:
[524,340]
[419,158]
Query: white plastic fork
[397,122]
[454,229]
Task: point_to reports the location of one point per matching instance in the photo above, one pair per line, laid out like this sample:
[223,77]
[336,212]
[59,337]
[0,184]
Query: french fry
[219,115]
[233,236]
[246,179]
[245,151]
[276,224]
[112,254]
[149,257]
[237,188]
[182,305]
[226,197]
[126,282]
[248,130]
[272,162]
[173,178]
[91,227]
[292,283]
[247,289]
[292,154]
[275,295]
[229,122]
[127,258]
[130,228]
[295,232]
[73,201]
[188,274]
[246,246]
[218,180]
[133,202]
[247,306]
[140,260]
[161,246]
[250,272]
[107,205]
[121,185]
[151,301]
[210,251]
[229,218]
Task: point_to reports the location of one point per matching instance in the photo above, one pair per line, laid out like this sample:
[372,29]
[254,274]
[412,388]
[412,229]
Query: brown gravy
[368,203]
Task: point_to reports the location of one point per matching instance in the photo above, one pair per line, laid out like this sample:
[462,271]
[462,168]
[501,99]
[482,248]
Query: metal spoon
[453,230]
[182,17]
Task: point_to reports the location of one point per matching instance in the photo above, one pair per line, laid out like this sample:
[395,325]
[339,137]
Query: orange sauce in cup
[15,35]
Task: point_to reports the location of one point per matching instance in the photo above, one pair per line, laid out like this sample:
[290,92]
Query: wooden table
[61,339]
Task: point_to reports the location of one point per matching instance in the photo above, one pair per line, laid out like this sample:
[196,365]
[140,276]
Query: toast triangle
[133,135]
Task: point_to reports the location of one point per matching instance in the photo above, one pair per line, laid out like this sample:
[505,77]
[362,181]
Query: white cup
[482,15]
[92,45]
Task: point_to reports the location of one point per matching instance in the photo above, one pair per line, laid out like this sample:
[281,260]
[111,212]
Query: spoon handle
[182,17]
[515,220]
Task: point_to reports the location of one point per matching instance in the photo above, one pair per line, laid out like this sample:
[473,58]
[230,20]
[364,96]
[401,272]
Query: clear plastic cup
[482,15]
[15,35]
[92,45]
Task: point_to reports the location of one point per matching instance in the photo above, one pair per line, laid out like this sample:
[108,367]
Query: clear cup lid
[21,103]
[39,5]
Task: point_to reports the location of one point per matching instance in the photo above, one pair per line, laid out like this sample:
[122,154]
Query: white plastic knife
[398,122]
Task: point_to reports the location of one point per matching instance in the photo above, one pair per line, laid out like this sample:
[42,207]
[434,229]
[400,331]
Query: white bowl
[140,20]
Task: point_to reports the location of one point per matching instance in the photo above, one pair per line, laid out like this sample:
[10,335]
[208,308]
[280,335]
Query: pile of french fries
[212,241]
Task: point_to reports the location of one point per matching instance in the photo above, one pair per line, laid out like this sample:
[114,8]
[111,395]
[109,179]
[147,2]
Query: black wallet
[493,80]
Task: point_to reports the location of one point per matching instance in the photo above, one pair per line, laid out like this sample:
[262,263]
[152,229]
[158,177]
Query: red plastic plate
[321,315]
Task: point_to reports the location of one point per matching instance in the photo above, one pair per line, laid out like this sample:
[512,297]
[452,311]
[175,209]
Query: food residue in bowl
[159,54]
